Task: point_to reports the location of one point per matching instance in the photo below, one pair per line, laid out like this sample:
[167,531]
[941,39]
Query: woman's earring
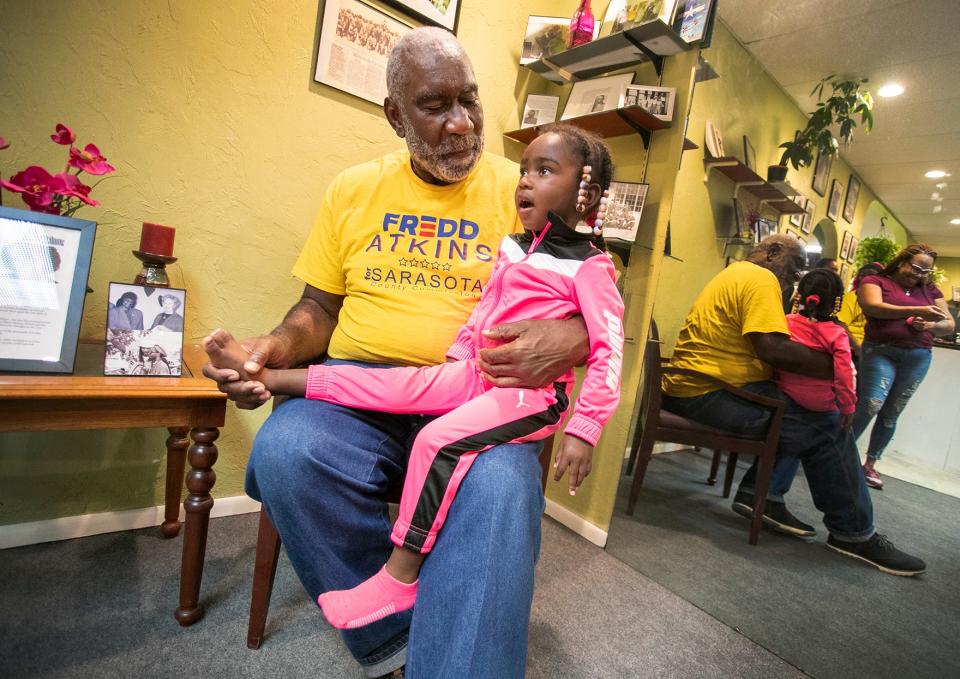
[582,192]
[601,214]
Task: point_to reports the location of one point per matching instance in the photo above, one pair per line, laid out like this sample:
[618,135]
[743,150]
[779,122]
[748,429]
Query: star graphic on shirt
[415,263]
[436,266]
[402,261]
[446,267]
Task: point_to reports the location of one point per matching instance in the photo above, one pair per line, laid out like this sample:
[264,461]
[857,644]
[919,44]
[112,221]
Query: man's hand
[846,421]
[266,351]
[535,353]
[576,455]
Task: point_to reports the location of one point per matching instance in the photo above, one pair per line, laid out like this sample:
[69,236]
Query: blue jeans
[828,453]
[322,470]
[889,376]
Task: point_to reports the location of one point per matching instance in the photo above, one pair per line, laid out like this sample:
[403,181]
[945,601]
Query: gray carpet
[826,614]
[103,607]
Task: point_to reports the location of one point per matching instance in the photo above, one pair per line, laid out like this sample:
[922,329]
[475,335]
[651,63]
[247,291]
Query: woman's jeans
[322,470]
[889,376]
[828,453]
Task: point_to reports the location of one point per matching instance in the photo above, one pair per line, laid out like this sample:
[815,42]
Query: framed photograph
[355,41]
[144,331]
[639,12]
[850,204]
[821,173]
[44,264]
[854,244]
[845,246]
[547,36]
[796,219]
[764,228]
[836,195]
[539,109]
[615,15]
[442,13]
[624,207]
[596,95]
[809,210]
[657,101]
[845,273]
[713,140]
[749,154]
[692,19]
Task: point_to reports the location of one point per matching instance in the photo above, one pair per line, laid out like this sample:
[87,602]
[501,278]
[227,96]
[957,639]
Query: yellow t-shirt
[411,258]
[852,316]
[741,299]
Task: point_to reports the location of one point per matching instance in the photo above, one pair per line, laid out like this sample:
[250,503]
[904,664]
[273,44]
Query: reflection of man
[124,315]
[736,331]
[168,319]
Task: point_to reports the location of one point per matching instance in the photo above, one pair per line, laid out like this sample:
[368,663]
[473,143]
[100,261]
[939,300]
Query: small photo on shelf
[545,37]
[539,109]
[613,18]
[657,101]
[691,19]
[624,208]
[144,331]
[596,95]
[639,12]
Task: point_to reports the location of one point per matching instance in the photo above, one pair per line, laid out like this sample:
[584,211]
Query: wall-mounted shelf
[776,196]
[614,123]
[648,42]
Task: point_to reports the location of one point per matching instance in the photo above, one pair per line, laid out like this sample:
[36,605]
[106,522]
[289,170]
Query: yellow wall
[950,265]
[210,114]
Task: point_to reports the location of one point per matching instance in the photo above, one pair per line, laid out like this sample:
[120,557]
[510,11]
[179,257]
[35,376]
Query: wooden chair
[657,424]
[268,552]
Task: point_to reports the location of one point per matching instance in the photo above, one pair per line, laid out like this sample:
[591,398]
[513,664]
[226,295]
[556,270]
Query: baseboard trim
[69,527]
[577,523]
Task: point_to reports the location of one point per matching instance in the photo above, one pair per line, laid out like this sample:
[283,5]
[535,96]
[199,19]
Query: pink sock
[371,600]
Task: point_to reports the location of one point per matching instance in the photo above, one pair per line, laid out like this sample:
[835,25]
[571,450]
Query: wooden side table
[190,407]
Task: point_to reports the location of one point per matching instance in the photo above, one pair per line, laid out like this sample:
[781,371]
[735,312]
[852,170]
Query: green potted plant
[848,101]
[875,249]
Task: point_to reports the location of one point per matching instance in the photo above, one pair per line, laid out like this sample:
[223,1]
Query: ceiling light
[890,90]
[942,185]
[955,221]
[937,208]
[936,174]
[936,196]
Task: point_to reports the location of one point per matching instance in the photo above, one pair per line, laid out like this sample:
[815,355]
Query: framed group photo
[850,204]
[596,95]
[355,42]
[144,335]
[657,101]
[44,265]
[624,208]
[442,13]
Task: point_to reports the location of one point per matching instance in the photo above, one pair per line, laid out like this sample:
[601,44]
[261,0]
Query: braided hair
[906,255]
[819,294]
[590,149]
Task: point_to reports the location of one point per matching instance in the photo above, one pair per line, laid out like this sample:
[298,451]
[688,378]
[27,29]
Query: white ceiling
[912,42]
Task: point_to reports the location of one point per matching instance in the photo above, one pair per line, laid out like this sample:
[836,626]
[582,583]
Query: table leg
[203,455]
[176,457]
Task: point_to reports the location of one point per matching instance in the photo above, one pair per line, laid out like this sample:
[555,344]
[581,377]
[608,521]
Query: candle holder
[154,271]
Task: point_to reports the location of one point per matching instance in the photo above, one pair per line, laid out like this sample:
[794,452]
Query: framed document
[355,41]
[442,13]
[44,264]
[539,109]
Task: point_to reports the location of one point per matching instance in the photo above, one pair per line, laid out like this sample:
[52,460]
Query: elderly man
[736,331]
[397,258]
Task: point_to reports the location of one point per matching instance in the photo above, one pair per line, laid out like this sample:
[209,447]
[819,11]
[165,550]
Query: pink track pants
[473,417]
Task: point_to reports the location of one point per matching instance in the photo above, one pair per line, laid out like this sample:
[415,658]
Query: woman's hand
[535,353]
[576,455]
[931,313]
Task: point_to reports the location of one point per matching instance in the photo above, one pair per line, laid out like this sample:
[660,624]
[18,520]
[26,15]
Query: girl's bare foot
[225,351]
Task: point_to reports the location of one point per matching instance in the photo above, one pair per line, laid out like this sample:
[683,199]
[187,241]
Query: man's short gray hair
[781,240]
[410,46]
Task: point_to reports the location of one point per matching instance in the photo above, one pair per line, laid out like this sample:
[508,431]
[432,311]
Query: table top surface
[88,381]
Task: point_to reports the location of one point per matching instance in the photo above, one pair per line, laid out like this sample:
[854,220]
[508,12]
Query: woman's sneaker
[872,478]
[878,551]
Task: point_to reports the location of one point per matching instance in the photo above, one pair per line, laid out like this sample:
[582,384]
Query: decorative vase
[776,173]
[581,25]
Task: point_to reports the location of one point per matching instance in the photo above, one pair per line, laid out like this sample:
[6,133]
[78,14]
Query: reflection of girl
[125,315]
[904,311]
[168,318]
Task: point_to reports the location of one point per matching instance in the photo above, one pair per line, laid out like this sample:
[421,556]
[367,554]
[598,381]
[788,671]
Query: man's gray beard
[433,160]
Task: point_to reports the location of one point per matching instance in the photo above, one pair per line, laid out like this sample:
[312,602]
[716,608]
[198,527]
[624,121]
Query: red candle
[156,239]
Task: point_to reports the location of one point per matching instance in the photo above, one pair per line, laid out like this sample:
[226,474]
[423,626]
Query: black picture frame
[48,244]
[850,202]
[696,23]
[426,12]
[145,337]
[836,196]
[821,173]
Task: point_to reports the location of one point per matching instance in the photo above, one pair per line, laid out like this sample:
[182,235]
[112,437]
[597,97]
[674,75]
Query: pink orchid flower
[89,160]
[38,187]
[3,143]
[72,186]
[64,135]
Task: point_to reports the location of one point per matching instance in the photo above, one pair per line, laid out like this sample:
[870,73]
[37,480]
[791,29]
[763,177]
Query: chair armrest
[726,386]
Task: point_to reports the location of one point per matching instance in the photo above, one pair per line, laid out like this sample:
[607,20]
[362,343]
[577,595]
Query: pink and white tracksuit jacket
[556,275]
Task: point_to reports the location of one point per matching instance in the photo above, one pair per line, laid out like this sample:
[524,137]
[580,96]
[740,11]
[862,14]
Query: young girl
[549,272]
[815,325]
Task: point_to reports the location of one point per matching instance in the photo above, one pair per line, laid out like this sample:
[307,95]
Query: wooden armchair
[268,552]
[657,424]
